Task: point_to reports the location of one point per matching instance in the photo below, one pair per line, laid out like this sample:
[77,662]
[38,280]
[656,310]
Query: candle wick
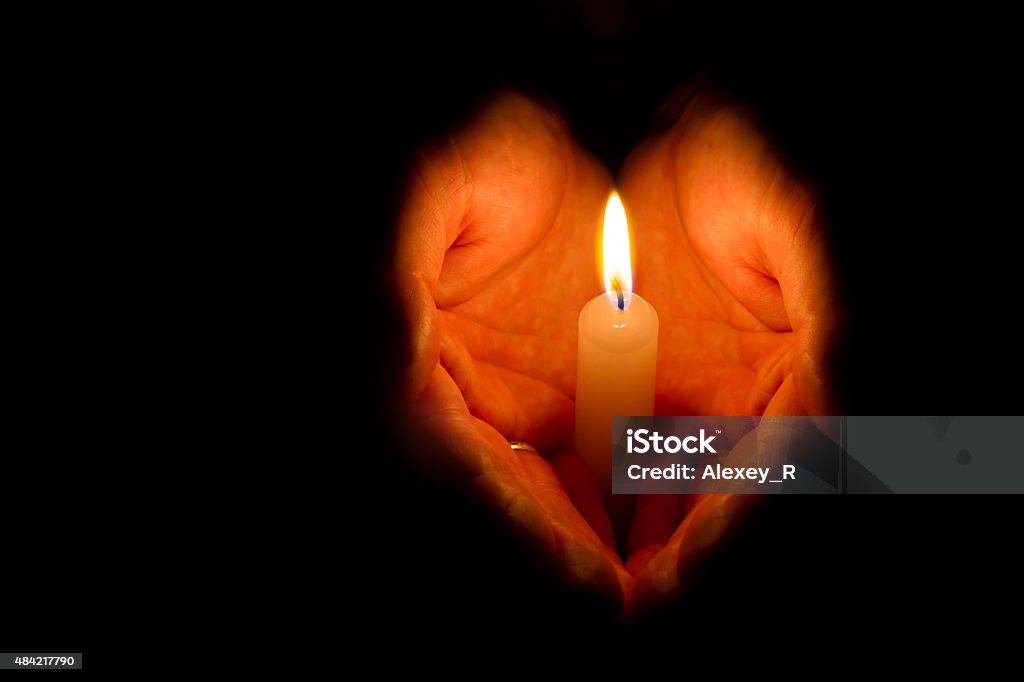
[618,292]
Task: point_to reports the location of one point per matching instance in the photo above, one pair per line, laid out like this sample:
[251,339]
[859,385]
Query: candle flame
[618,273]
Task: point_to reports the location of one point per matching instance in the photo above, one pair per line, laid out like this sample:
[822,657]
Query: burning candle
[616,355]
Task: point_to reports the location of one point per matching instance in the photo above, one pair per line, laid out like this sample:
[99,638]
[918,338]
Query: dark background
[907,128]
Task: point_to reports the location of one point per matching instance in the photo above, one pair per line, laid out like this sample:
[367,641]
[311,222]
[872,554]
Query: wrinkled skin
[495,260]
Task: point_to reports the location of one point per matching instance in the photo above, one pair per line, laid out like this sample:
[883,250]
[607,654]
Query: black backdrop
[906,125]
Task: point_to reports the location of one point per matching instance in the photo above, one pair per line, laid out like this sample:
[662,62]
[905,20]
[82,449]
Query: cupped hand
[495,259]
[730,251]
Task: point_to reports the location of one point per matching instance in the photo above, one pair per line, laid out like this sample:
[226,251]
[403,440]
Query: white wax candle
[616,355]
[616,358]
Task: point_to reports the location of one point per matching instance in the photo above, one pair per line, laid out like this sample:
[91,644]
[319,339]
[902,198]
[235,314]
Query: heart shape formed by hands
[495,259]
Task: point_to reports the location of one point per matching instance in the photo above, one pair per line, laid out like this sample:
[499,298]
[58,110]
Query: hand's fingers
[671,571]
[786,401]
[524,488]
[584,558]
[655,520]
[584,492]
[447,438]
[518,405]
[422,241]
